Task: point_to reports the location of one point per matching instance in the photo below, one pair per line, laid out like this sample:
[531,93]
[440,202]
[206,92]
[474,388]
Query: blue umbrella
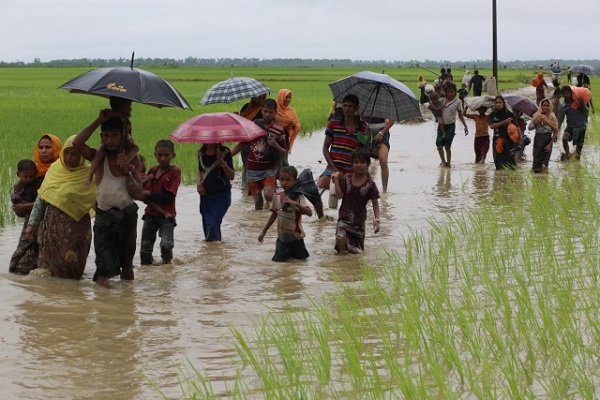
[379,95]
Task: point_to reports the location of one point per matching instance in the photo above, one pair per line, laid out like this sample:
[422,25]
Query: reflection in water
[506,184]
[68,332]
[481,180]
[444,183]
[68,339]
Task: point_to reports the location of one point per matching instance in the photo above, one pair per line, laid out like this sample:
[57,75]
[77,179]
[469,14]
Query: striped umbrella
[379,95]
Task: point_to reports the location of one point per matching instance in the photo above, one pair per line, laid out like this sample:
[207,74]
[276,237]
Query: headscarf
[56,148]
[538,80]
[251,110]
[548,119]
[501,115]
[285,114]
[65,187]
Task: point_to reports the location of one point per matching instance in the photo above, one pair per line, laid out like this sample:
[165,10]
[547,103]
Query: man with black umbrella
[341,139]
[115,226]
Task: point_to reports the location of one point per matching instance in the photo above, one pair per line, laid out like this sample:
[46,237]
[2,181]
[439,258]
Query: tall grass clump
[497,302]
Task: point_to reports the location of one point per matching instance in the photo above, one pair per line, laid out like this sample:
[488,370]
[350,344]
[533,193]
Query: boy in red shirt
[161,192]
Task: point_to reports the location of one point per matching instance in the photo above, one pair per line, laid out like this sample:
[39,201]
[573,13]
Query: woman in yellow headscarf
[62,211]
[286,116]
[25,257]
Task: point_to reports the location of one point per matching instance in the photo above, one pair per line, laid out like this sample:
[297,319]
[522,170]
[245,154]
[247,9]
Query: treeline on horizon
[295,62]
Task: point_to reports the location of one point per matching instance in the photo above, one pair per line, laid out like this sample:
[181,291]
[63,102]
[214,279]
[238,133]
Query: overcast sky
[359,30]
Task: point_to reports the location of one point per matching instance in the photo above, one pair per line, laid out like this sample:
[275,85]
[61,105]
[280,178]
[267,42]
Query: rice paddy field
[32,104]
[499,300]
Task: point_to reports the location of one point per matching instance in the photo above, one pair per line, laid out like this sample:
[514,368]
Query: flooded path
[70,339]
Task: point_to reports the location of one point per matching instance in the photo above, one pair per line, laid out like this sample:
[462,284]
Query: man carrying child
[115,227]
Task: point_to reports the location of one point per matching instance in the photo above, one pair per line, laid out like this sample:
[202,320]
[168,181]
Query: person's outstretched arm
[376,221]
[272,219]
[80,141]
[326,145]
[134,184]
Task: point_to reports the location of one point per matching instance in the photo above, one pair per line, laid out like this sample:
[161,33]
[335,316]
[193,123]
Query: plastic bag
[499,145]
[513,132]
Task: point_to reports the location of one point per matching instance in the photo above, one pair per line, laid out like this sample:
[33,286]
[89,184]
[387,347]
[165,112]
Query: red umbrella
[217,127]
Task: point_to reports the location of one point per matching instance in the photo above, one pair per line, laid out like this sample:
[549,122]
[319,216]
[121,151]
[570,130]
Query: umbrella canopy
[379,95]
[128,83]
[305,185]
[217,127]
[583,69]
[234,89]
[521,103]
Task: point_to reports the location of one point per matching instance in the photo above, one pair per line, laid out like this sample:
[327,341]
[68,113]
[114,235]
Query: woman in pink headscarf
[286,116]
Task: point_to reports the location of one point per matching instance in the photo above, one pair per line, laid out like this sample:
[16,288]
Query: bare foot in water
[340,245]
[103,281]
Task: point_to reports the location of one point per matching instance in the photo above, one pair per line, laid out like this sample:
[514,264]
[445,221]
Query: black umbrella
[379,95]
[305,185]
[128,83]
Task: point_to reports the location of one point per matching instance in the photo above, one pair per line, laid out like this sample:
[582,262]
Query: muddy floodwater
[71,339]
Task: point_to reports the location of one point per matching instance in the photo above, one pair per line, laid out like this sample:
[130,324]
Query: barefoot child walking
[355,190]
[482,134]
[290,235]
[161,194]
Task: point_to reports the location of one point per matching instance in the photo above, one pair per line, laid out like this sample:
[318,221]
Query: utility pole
[495,43]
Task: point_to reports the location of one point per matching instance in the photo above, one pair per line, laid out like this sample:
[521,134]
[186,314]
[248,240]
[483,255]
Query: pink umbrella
[217,127]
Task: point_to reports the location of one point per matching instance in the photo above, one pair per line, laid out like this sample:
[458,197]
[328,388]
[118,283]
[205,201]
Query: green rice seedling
[515,328]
